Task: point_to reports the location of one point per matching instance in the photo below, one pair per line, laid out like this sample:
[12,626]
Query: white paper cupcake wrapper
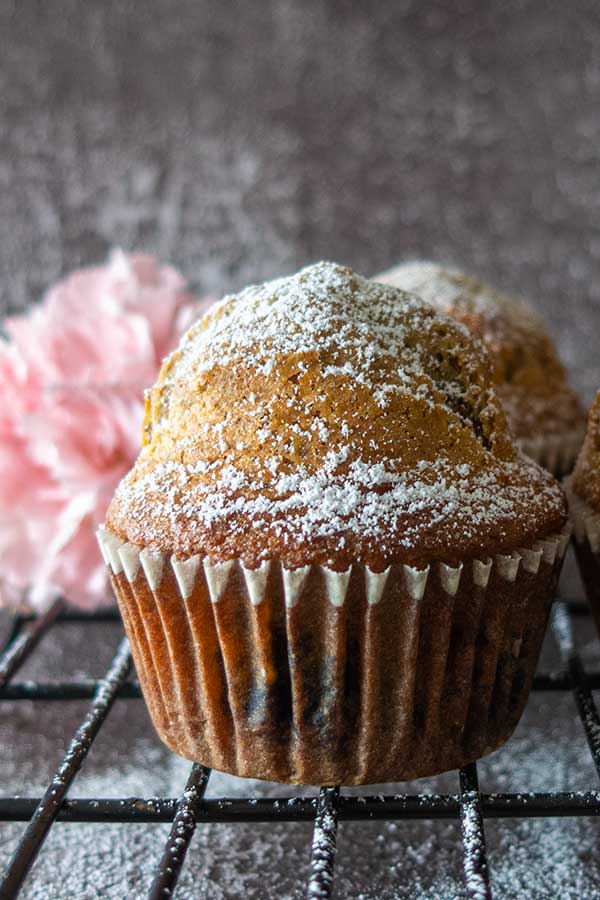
[316,676]
[122,556]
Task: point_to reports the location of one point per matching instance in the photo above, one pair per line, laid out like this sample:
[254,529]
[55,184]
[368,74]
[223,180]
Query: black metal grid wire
[468,805]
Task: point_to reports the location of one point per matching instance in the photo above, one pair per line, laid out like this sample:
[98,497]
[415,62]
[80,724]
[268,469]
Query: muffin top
[325,418]
[529,377]
[586,476]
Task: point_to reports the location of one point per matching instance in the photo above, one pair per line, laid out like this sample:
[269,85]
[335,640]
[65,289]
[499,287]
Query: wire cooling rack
[331,806]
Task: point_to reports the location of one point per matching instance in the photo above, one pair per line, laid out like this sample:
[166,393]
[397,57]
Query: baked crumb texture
[544,412]
[328,419]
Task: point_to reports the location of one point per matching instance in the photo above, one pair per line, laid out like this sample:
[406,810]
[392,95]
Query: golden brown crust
[530,378]
[241,536]
[586,477]
[325,418]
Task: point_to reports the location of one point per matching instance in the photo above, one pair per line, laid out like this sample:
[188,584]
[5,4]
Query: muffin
[544,413]
[332,563]
[583,491]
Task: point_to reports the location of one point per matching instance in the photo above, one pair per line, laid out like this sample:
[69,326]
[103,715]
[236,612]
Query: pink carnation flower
[72,380]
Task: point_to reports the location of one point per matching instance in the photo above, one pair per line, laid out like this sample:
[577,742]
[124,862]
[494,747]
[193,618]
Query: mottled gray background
[240,141]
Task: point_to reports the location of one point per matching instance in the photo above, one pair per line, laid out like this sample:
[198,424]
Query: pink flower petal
[72,380]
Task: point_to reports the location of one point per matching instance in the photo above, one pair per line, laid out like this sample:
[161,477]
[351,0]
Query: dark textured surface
[241,141]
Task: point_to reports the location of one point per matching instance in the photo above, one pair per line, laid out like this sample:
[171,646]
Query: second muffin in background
[332,563]
[544,412]
[583,491]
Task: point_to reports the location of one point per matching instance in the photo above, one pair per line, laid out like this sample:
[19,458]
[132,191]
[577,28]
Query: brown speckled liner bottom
[555,452]
[586,530]
[323,678]
[589,568]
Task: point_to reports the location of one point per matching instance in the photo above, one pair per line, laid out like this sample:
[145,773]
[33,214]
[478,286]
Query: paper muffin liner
[323,677]
[555,452]
[586,531]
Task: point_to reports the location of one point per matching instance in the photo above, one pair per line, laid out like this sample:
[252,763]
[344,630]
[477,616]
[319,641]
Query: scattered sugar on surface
[533,860]
[418,860]
[474,848]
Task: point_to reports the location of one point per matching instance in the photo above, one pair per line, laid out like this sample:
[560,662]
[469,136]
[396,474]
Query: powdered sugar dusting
[323,847]
[324,308]
[396,860]
[374,501]
[446,287]
[474,848]
[530,379]
[423,456]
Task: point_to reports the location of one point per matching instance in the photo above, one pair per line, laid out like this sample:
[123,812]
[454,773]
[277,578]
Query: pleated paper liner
[586,530]
[555,452]
[319,677]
